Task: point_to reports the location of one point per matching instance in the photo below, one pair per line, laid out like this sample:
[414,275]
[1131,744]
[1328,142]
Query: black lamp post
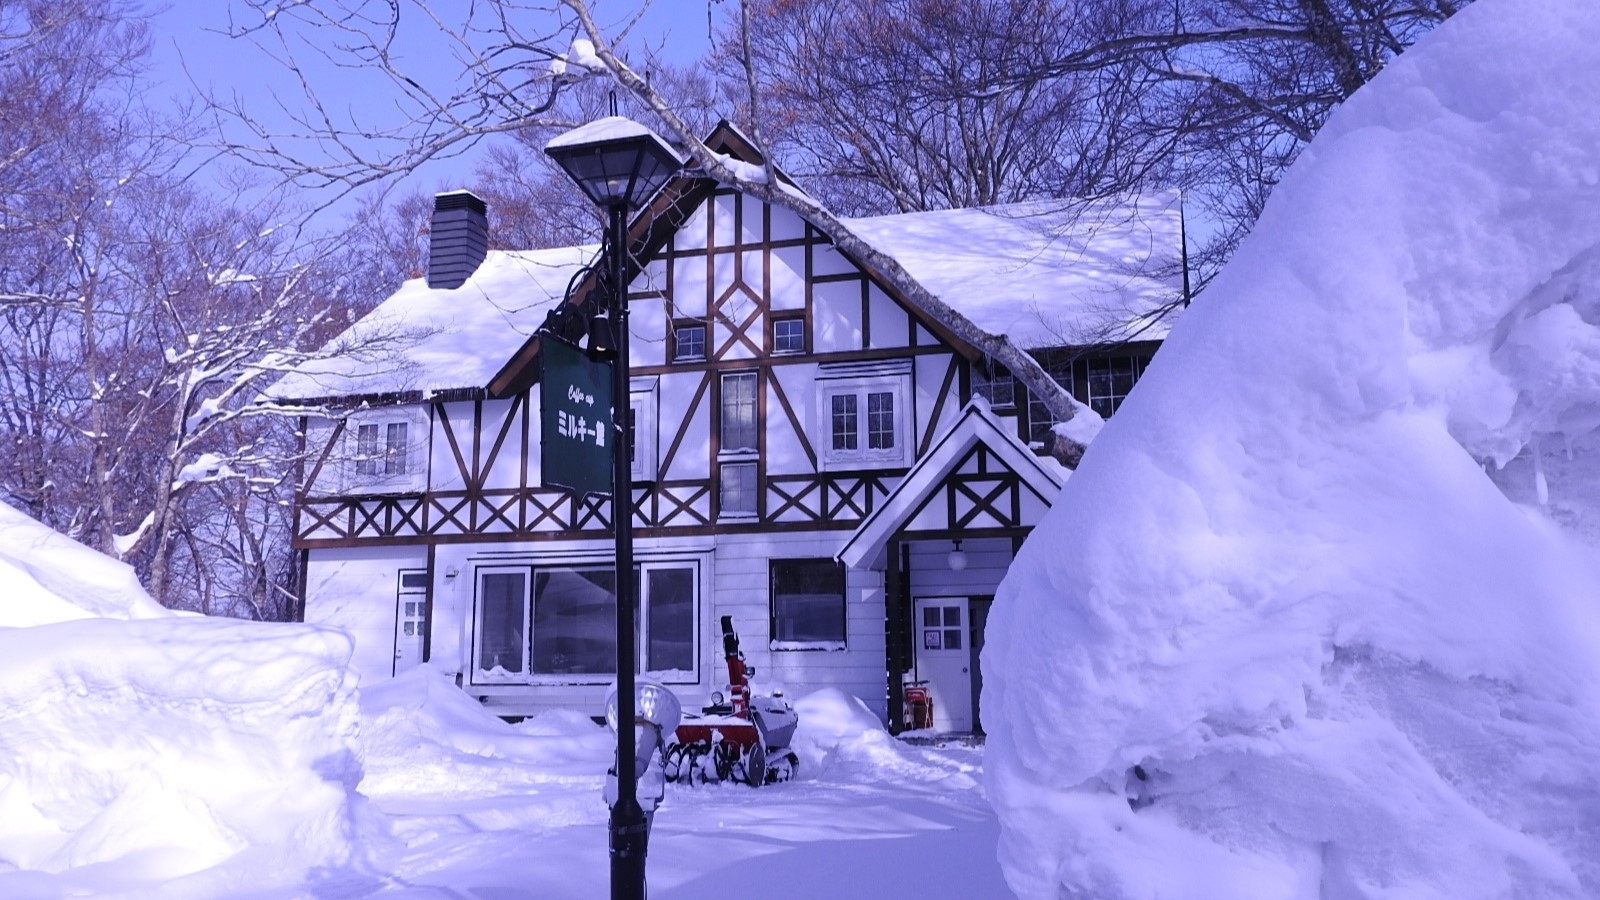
[620,164]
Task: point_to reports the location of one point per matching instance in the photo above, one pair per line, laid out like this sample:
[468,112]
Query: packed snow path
[481,810]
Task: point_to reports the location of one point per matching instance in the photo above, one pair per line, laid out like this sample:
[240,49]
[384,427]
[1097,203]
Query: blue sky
[189,49]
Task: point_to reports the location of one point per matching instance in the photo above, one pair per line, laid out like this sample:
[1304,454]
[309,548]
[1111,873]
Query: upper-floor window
[865,419]
[739,412]
[643,405]
[1040,419]
[737,496]
[995,385]
[789,335]
[1110,380]
[381,449]
[688,342]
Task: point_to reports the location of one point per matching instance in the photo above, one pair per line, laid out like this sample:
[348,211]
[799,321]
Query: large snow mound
[144,753]
[49,577]
[176,743]
[1283,636]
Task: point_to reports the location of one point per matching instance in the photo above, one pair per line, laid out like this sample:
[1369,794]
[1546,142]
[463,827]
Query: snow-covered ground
[1289,632]
[151,755]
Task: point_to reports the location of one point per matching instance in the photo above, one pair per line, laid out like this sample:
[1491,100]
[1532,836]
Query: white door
[410,620]
[944,659]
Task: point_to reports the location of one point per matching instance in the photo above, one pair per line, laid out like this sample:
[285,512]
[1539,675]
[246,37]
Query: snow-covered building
[827,463]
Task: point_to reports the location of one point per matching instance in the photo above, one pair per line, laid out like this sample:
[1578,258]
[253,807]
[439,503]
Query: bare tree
[946,105]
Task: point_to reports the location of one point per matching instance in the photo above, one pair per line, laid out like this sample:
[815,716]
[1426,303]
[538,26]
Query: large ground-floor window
[808,606]
[559,622]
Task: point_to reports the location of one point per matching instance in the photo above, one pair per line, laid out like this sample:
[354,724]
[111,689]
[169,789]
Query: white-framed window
[381,449]
[688,341]
[789,335]
[808,604]
[1110,380]
[557,623]
[994,384]
[864,421]
[385,450]
[737,494]
[1040,419]
[739,425]
[500,645]
[644,404]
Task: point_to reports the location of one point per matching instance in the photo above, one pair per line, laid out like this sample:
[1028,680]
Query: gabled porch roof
[1037,481]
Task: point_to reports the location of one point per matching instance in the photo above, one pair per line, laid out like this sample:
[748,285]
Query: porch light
[957,560]
[620,164]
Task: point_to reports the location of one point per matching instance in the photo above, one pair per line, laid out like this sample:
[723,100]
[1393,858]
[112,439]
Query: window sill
[802,646]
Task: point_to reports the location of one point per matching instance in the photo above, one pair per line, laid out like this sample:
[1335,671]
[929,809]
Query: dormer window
[688,342]
[381,449]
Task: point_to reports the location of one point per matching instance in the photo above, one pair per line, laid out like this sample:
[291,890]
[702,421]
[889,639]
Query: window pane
[574,621]
[789,335]
[367,450]
[413,579]
[997,387]
[1039,418]
[689,342]
[930,615]
[880,420]
[671,619]
[952,615]
[739,411]
[500,639]
[807,600]
[394,456]
[738,488]
[1110,380]
[844,421]
[952,639]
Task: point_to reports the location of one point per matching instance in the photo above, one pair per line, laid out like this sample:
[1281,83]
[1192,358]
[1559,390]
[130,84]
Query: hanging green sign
[575,419]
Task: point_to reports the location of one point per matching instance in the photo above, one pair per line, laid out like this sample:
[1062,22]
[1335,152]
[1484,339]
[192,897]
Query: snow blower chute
[737,738]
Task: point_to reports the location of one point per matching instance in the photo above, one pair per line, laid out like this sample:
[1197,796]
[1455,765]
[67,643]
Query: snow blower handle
[738,673]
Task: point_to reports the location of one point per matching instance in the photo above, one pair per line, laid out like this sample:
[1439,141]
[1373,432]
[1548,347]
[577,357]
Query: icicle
[1568,438]
[1541,488]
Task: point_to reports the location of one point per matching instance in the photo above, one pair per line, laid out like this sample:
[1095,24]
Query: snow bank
[1282,636]
[48,577]
[169,746]
[138,747]
[427,747]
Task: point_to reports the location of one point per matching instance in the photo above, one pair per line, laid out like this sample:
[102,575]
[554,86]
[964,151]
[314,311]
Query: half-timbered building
[814,455]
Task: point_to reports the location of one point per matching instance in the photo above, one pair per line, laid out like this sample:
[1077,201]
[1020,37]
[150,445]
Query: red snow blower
[737,738]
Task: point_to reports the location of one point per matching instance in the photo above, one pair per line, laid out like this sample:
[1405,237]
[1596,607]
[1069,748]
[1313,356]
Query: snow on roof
[430,340]
[1050,273]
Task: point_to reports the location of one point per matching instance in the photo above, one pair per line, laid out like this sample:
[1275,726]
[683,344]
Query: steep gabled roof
[1044,273]
[426,341]
[1042,479]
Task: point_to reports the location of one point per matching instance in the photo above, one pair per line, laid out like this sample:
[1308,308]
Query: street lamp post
[620,164]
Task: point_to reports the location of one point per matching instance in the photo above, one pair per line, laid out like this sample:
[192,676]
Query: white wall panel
[355,590]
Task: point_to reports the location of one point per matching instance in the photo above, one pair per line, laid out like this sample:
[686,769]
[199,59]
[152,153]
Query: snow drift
[137,746]
[1283,636]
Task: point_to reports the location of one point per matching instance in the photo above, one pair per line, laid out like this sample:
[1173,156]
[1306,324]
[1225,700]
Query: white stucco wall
[355,589]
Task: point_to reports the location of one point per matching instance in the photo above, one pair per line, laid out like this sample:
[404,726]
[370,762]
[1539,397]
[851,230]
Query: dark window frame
[778,340]
[678,352]
[820,567]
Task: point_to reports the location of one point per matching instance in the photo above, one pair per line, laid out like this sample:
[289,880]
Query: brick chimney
[458,239]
